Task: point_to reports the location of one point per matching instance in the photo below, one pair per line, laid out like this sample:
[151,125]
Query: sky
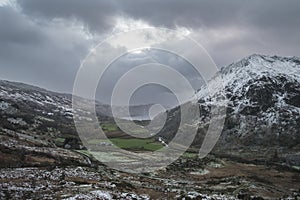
[43,42]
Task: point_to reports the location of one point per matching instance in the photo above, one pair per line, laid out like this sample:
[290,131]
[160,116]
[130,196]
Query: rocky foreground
[32,172]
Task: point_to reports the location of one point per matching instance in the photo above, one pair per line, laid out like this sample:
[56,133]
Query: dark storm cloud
[37,53]
[96,15]
[267,27]
[193,13]
[44,41]
[273,27]
[169,13]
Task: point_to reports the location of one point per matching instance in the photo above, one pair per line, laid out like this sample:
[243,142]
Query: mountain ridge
[263,108]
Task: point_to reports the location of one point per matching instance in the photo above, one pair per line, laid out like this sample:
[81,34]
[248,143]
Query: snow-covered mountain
[35,113]
[263,94]
[263,106]
[40,114]
[46,103]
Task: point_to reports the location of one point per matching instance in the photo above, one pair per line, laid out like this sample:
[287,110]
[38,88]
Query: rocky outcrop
[21,152]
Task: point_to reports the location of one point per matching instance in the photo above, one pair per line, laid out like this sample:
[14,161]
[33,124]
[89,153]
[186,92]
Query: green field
[119,139]
[109,127]
[131,143]
[137,144]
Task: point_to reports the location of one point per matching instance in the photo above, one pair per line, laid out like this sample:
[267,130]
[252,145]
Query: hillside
[263,110]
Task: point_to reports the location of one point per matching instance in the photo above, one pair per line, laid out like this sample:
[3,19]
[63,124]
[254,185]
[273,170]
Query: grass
[109,127]
[127,143]
[59,141]
[138,144]
[190,155]
[131,144]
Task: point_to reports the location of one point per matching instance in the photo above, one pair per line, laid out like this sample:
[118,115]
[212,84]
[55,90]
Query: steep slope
[33,123]
[39,115]
[34,112]
[263,94]
[263,108]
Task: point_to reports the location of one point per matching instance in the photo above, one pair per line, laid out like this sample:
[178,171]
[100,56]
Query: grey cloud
[275,23]
[16,29]
[147,94]
[39,44]
[96,15]
[47,55]
[169,13]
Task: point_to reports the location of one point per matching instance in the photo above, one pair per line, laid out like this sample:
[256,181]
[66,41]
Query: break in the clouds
[43,42]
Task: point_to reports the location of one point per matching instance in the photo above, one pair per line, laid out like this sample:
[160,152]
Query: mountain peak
[257,65]
[263,95]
